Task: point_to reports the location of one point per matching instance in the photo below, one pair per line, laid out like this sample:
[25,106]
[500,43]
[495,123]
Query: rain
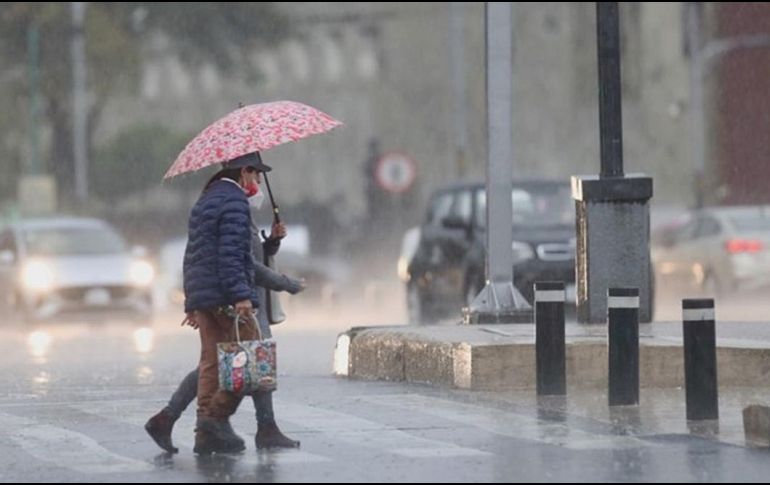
[515,241]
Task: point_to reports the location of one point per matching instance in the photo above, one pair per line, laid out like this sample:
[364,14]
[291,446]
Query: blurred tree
[134,154]
[223,34]
[11,138]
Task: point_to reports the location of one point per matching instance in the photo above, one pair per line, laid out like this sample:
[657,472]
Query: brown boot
[159,428]
[216,436]
[269,436]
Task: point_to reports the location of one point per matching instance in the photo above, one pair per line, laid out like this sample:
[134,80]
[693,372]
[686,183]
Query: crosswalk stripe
[445,452]
[506,423]
[89,457]
[67,449]
[136,414]
[363,432]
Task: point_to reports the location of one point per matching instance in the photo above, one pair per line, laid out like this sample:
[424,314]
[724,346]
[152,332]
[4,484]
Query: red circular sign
[395,172]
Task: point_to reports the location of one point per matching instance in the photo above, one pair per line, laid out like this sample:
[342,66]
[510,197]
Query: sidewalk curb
[407,354]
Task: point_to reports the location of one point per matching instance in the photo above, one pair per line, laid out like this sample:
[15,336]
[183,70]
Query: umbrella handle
[276,220]
[276,212]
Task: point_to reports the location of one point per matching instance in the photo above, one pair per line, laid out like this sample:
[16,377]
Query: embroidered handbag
[247,366]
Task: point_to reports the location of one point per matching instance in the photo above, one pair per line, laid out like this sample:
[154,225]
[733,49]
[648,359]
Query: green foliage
[134,161]
[113,56]
[117,35]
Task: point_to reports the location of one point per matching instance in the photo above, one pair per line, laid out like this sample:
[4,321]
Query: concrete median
[502,357]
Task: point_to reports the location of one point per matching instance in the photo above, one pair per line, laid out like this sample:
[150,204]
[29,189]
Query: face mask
[251,189]
[257,199]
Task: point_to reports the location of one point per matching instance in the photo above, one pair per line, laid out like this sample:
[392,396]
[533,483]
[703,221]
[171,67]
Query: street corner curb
[756,425]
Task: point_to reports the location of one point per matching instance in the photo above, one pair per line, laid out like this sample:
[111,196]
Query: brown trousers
[214,328]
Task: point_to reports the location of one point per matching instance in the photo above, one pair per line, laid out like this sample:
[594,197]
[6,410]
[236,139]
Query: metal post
[697,121]
[549,339]
[623,337]
[79,108]
[36,190]
[610,114]
[33,69]
[499,301]
[500,146]
[457,63]
[700,359]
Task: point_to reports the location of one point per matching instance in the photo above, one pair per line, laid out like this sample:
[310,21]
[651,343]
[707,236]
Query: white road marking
[67,449]
[506,423]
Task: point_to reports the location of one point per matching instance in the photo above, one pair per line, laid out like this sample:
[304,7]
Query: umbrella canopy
[250,129]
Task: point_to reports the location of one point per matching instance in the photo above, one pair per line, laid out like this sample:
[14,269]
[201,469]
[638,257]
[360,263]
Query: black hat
[250,160]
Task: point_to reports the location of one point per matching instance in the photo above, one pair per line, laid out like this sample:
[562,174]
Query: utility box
[613,242]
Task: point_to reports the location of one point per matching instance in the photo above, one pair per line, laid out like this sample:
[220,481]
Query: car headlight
[37,276]
[522,252]
[142,273]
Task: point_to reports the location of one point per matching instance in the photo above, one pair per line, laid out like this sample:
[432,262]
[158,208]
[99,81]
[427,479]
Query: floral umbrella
[251,129]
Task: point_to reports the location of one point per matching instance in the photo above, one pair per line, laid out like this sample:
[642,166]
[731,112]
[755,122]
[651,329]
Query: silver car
[715,251]
[55,265]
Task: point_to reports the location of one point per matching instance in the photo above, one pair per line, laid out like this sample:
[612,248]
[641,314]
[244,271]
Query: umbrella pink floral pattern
[250,129]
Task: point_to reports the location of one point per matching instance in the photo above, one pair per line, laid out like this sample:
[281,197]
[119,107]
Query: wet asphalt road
[75,396]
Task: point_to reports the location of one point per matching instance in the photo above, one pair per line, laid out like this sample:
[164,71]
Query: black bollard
[549,339]
[700,359]
[623,337]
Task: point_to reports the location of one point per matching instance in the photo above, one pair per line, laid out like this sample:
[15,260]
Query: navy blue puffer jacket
[218,269]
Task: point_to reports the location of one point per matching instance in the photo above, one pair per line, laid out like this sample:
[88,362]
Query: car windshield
[70,241]
[545,205]
[751,222]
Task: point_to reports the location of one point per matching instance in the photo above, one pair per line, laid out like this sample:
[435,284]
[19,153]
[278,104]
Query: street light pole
[33,73]
[610,113]
[499,301]
[79,108]
[612,208]
[36,190]
[696,93]
[457,63]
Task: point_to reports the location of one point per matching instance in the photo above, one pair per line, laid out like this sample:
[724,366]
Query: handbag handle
[237,331]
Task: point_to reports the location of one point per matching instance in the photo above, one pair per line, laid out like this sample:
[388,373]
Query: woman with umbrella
[268,434]
[219,269]
[219,272]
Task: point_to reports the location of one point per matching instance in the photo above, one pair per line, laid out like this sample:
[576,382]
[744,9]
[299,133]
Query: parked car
[714,251]
[55,265]
[447,269]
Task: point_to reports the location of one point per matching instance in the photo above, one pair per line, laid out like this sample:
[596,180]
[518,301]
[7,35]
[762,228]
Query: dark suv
[447,269]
